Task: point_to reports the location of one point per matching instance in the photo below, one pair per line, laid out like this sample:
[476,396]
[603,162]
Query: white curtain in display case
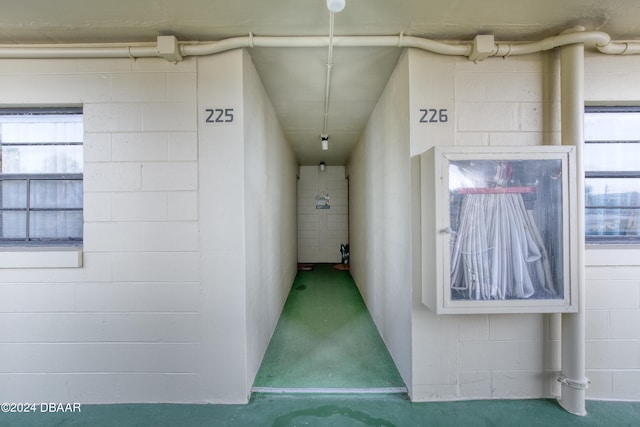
[502,229]
[497,251]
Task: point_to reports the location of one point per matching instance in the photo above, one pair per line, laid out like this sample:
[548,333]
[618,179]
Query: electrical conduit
[328,81]
[602,41]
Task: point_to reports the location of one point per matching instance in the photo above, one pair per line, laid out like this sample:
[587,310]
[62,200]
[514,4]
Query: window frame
[29,240]
[611,174]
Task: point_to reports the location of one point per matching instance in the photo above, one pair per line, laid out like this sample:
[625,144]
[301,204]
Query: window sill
[612,255]
[41,257]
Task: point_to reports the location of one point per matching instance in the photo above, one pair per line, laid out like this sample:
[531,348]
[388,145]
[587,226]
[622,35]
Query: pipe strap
[573,383]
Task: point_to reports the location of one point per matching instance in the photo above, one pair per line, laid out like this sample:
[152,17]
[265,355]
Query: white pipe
[573,380]
[327,91]
[620,48]
[74,52]
[601,40]
[554,331]
[596,38]
[442,48]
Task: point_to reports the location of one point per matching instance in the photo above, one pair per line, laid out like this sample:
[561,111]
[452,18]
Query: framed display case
[498,229]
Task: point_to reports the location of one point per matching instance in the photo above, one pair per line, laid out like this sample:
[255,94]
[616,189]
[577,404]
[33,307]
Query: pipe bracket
[575,384]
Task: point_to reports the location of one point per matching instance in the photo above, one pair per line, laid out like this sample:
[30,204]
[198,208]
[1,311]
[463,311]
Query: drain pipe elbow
[613,48]
[620,48]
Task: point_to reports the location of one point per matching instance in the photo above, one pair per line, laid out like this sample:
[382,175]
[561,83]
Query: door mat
[305,267]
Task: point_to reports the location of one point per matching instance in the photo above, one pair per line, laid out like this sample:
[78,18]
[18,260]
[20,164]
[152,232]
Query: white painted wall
[478,356]
[270,201]
[162,309]
[158,312]
[516,102]
[380,217]
[322,231]
[613,274]
[127,326]
[223,358]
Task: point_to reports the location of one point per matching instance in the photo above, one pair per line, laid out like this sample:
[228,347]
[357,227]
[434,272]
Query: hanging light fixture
[335,6]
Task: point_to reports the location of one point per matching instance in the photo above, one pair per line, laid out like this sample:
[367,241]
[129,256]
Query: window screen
[612,169]
[41,161]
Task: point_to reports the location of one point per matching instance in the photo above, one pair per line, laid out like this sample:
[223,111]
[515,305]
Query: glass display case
[497,234]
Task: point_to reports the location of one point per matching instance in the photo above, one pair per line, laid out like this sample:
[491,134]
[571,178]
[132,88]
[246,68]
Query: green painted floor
[326,339]
[335,411]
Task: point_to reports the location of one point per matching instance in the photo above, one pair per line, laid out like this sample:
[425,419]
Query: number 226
[431,115]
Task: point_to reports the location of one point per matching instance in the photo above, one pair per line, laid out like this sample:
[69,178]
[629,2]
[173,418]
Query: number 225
[219,115]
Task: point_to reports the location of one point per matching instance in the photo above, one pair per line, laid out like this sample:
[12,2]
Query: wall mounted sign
[322,201]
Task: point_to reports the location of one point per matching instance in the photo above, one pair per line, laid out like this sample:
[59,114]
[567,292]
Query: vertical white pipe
[551,72]
[573,324]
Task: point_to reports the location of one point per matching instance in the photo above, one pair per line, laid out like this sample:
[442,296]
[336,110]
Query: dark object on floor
[341,267]
[344,250]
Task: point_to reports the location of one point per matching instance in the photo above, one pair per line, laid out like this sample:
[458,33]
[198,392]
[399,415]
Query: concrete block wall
[157,311]
[322,231]
[489,103]
[125,327]
[516,102]
[613,316]
[223,250]
[612,274]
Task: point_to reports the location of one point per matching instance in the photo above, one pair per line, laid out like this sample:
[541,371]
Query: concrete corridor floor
[312,320]
[326,340]
[337,410]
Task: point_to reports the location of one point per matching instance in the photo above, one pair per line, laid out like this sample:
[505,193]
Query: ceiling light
[325,142]
[335,5]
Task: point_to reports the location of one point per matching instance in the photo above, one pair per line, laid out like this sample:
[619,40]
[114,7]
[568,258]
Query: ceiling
[295,77]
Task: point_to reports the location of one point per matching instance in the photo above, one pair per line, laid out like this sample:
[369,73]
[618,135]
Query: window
[41,160]
[612,181]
